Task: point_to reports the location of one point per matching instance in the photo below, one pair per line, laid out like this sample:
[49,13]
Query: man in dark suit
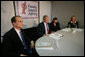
[43,27]
[15,42]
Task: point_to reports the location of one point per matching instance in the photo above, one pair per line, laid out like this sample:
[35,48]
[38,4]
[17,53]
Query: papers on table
[66,29]
[56,36]
[44,46]
[72,30]
[77,30]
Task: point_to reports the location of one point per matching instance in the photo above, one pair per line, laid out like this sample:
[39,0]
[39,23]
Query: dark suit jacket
[71,25]
[54,28]
[41,29]
[12,45]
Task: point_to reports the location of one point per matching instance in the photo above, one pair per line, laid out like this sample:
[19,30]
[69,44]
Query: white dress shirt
[18,32]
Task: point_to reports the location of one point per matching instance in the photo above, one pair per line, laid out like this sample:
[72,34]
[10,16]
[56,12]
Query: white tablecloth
[71,44]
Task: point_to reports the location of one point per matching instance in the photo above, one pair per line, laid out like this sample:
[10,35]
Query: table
[71,44]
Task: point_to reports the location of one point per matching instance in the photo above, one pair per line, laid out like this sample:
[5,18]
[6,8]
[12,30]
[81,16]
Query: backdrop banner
[27,9]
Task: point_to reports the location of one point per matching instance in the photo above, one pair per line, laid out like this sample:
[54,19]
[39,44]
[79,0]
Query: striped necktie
[47,28]
[24,44]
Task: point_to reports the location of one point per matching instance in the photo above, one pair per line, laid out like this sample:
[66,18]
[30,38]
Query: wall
[63,10]
[45,9]
[7,11]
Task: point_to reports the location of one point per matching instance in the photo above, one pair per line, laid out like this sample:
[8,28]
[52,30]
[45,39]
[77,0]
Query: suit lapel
[17,38]
[43,26]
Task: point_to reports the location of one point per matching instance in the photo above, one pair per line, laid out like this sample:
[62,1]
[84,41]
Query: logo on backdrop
[24,6]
